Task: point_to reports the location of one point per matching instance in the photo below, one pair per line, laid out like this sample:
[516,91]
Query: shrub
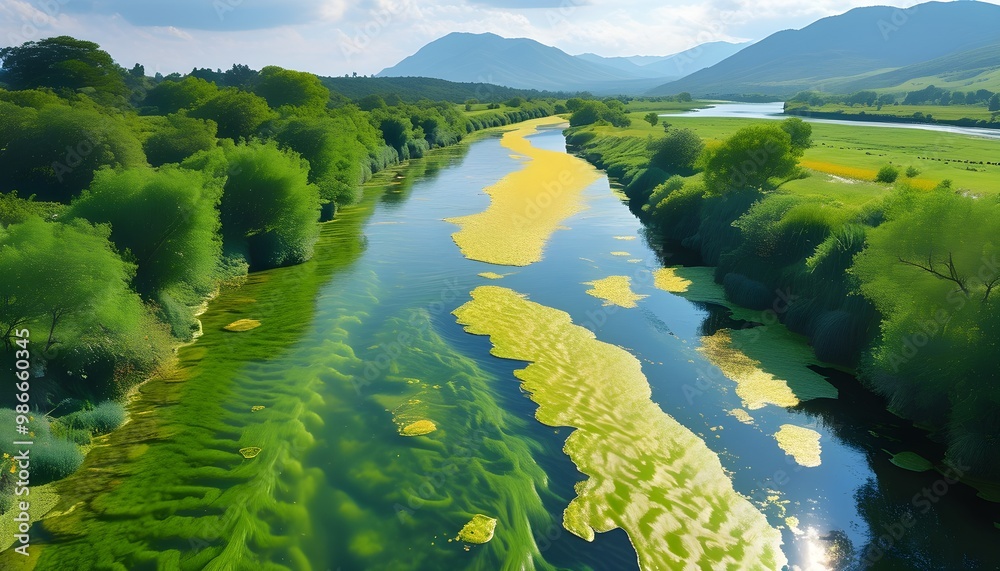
[749,293]
[911,172]
[101,419]
[887,174]
[53,460]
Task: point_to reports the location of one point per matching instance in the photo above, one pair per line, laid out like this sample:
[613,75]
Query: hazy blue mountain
[862,42]
[673,66]
[520,63]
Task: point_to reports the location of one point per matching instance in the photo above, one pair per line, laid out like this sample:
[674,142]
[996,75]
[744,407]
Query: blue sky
[333,37]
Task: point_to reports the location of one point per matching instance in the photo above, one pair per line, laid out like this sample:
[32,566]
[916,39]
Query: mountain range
[950,44]
[527,64]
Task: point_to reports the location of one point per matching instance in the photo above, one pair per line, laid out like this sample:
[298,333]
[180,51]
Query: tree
[652,118]
[590,112]
[172,96]
[62,63]
[677,152]
[750,160]
[887,174]
[165,219]
[268,209]
[334,152]
[240,76]
[52,272]
[56,155]
[684,97]
[237,113]
[994,104]
[800,132]
[178,138]
[282,87]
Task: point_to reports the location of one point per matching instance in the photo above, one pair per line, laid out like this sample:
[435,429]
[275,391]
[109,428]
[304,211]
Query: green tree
[652,118]
[179,138]
[268,209]
[281,87]
[56,155]
[336,156]
[677,152]
[994,104]
[887,174]
[752,159]
[62,63]
[165,221]
[684,97]
[172,96]
[237,113]
[54,272]
[800,132]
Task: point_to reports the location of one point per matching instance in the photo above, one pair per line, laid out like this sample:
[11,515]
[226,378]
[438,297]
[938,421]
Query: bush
[911,172]
[101,419]
[749,293]
[887,174]
[54,460]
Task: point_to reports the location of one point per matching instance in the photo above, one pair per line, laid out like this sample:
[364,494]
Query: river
[362,341]
[776,111]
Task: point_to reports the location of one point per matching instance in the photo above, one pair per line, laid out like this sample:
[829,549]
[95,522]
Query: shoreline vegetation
[889,280]
[135,198]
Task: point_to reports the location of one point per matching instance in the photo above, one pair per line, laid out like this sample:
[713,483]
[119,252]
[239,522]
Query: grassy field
[957,81]
[664,106]
[858,151]
[948,112]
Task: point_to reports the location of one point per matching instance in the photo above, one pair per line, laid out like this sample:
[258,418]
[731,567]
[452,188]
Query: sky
[334,37]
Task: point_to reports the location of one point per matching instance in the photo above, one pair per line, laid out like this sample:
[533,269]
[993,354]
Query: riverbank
[798,244]
[958,116]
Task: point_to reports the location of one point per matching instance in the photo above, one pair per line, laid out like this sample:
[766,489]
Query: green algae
[615,290]
[802,444]
[479,530]
[241,325]
[418,428]
[168,491]
[646,473]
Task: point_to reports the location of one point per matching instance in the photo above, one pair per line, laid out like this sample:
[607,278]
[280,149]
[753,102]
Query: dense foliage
[904,289]
[126,200]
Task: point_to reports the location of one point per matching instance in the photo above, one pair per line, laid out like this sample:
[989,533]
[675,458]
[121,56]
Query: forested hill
[847,48]
[414,89]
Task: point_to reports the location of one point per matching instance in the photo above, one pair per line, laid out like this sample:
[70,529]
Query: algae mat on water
[647,473]
[528,205]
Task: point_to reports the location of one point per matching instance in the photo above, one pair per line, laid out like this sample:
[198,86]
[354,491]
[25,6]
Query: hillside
[849,49]
[413,89]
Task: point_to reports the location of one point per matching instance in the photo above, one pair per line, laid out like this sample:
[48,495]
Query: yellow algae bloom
[756,387]
[491,275]
[526,206]
[479,529]
[256,408]
[668,280]
[741,415]
[242,325]
[793,524]
[800,443]
[250,451]
[615,290]
[418,428]
[626,238]
[646,473]
[621,254]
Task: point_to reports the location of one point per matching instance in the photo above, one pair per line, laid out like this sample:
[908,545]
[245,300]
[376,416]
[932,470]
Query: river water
[362,340]
[776,111]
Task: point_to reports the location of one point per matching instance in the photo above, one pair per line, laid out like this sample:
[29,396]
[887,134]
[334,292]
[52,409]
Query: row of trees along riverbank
[125,201]
[902,288]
